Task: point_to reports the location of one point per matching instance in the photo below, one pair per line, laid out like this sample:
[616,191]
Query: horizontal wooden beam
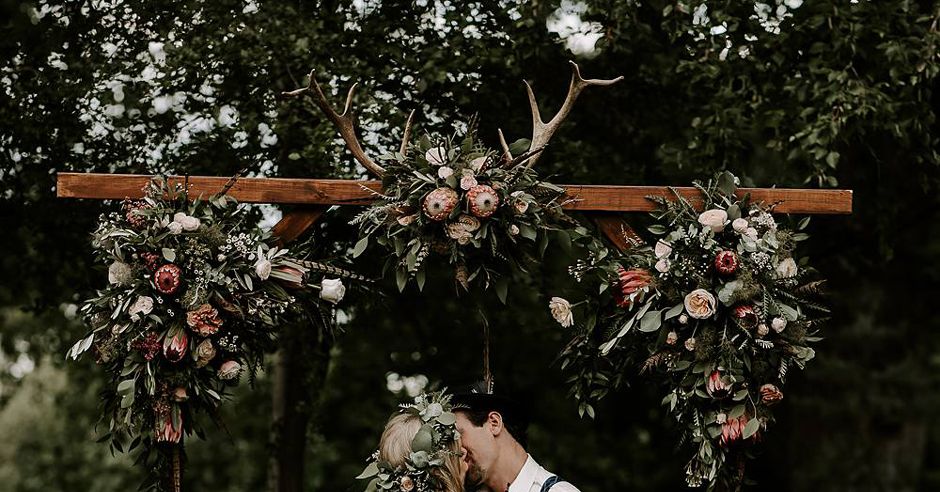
[348,192]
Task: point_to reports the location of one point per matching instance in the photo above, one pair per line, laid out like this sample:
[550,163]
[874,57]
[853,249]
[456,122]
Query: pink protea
[175,345]
[165,432]
[628,282]
[732,430]
[716,387]
[726,262]
[440,203]
[483,200]
[745,315]
[167,279]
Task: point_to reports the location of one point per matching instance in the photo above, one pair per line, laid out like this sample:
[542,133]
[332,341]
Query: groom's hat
[476,399]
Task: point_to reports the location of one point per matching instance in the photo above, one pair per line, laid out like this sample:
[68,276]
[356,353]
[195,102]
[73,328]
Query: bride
[419,449]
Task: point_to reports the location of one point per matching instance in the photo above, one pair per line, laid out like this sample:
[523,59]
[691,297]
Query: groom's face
[480,446]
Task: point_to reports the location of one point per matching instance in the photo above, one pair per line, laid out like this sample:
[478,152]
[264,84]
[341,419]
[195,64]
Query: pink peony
[204,320]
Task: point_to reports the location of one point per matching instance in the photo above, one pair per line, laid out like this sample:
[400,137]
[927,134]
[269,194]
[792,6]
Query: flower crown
[430,447]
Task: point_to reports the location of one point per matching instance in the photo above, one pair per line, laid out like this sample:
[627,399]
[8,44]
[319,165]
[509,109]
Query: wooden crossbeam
[348,192]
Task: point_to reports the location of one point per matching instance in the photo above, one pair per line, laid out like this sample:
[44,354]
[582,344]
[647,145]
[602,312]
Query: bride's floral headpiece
[430,447]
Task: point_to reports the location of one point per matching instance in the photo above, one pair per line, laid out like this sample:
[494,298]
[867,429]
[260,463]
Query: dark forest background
[785,93]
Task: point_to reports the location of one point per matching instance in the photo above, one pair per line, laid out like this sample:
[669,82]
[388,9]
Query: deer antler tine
[407,135]
[502,142]
[541,131]
[345,122]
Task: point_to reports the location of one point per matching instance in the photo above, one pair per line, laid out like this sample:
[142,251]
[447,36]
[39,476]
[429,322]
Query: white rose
[662,249]
[467,182]
[332,290]
[143,305]
[514,230]
[739,225]
[561,311]
[188,222]
[175,227]
[230,370]
[436,156]
[715,218]
[778,324]
[751,233]
[521,206]
[445,172]
[700,304]
[787,268]
[263,268]
[683,319]
[119,273]
[690,344]
[662,266]
[477,164]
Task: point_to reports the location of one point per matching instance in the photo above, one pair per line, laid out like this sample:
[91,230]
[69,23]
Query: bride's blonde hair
[395,447]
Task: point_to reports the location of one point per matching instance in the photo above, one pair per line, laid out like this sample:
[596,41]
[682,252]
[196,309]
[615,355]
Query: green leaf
[371,470]
[401,278]
[674,311]
[423,440]
[169,254]
[125,387]
[447,418]
[736,412]
[726,184]
[751,428]
[657,229]
[360,246]
[651,321]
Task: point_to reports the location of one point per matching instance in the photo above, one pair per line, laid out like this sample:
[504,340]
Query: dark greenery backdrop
[782,92]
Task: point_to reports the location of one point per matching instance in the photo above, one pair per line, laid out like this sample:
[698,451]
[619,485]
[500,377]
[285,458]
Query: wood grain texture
[295,222]
[617,230]
[348,192]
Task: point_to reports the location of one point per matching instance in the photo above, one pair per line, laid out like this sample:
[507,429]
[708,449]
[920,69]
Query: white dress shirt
[532,476]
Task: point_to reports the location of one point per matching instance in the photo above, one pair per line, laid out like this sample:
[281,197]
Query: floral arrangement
[432,444]
[194,299]
[717,312]
[463,202]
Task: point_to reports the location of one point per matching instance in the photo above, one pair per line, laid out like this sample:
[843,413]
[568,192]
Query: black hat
[475,398]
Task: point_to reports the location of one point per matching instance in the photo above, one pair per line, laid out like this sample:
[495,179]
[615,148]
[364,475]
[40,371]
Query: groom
[492,431]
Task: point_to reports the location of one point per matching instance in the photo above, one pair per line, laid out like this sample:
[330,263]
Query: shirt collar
[526,476]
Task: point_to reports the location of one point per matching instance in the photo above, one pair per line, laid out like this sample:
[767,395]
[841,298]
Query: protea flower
[483,200]
[167,278]
[174,346]
[726,262]
[716,387]
[628,282]
[440,203]
[732,430]
[745,315]
[165,432]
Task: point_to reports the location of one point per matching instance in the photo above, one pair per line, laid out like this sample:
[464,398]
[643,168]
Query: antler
[541,131]
[345,122]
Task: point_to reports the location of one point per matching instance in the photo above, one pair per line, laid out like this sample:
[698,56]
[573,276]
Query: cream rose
[204,353]
[700,304]
[175,227]
[778,324]
[716,219]
[406,220]
[187,222]
[739,225]
[662,266]
[467,182]
[332,290]
[477,164]
[561,311]
[444,172]
[143,305]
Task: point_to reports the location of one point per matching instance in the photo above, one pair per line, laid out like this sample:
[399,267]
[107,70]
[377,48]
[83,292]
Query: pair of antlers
[541,131]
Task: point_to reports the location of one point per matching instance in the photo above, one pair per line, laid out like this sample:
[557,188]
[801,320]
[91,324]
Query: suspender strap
[548,484]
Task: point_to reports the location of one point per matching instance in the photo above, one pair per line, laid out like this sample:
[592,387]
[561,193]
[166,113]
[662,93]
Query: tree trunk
[299,375]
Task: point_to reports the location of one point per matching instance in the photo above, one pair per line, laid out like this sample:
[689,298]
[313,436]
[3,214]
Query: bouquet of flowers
[717,311]
[194,299]
[463,202]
